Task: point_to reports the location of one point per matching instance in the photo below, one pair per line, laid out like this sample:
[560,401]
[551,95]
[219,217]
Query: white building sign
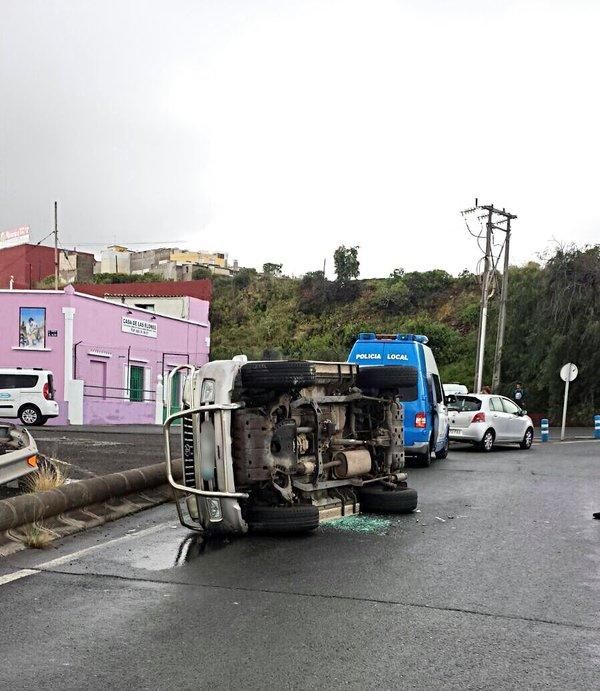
[139,327]
[15,236]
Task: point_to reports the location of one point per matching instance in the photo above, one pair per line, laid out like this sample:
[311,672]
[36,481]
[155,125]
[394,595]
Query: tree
[272,269]
[346,263]
[128,278]
[201,272]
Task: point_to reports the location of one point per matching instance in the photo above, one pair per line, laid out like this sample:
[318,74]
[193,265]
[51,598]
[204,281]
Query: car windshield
[464,404]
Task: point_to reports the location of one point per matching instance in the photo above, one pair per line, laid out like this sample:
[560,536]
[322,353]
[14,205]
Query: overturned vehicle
[278,446]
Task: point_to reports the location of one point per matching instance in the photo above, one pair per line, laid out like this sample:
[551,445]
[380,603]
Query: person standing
[518,395]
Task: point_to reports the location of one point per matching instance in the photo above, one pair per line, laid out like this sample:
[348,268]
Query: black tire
[279,374]
[487,441]
[443,453]
[387,377]
[44,419]
[30,415]
[422,460]
[527,440]
[282,520]
[379,499]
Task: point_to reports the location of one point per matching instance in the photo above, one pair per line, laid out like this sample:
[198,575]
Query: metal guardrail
[148,395]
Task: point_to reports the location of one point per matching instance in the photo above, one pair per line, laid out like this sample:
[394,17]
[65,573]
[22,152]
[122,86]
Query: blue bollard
[545,431]
[596,426]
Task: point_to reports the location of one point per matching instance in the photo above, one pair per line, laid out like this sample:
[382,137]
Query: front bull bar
[178,487]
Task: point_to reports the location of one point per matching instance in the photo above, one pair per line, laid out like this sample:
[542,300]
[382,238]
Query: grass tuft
[47,476]
[36,536]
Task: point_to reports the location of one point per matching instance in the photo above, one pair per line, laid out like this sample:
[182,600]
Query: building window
[145,306]
[136,383]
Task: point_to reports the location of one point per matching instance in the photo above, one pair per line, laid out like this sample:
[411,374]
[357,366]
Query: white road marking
[567,441]
[16,575]
[76,555]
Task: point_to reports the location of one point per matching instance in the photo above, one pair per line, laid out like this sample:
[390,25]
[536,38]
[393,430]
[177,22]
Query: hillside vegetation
[553,317]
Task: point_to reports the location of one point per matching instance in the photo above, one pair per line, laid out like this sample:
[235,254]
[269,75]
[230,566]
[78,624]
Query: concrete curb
[28,508]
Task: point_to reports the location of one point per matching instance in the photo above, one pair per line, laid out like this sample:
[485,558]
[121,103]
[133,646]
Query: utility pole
[55,245]
[488,270]
[502,314]
[483,309]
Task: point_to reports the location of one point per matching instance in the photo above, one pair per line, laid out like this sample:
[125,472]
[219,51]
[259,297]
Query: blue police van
[406,362]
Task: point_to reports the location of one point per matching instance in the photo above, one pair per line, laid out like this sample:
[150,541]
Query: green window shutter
[136,383]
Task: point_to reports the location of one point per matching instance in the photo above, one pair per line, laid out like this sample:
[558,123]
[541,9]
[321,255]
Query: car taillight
[478,417]
[46,392]
[421,420]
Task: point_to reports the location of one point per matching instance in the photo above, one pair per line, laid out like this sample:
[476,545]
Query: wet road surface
[494,584]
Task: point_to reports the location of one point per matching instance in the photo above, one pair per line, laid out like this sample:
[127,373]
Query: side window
[496,404]
[437,386]
[26,381]
[18,381]
[7,381]
[510,407]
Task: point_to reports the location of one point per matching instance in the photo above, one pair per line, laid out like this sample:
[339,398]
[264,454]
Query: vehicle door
[10,397]
[498,418]
[515,425]
[439,405]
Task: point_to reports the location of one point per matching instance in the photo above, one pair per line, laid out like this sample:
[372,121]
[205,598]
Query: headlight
[214,509]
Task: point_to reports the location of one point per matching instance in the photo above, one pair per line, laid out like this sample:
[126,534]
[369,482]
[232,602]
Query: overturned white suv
[278,446]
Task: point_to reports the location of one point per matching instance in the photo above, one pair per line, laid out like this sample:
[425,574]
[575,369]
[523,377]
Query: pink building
[107,358]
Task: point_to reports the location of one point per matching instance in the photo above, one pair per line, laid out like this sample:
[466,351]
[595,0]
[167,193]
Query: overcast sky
[277,130]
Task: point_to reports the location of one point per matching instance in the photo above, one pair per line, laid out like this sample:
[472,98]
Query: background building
[171,263]
[31,264]
[175,299]
[108,358]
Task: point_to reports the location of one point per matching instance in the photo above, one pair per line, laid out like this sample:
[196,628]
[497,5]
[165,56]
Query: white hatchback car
[487,419]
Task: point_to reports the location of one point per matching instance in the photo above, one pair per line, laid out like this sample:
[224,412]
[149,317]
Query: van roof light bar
[417,338]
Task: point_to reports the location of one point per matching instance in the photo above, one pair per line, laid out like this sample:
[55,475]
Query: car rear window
[407,393]
[465,404]
[18,381]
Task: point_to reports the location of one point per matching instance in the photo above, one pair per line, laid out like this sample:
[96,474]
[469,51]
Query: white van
[27,394]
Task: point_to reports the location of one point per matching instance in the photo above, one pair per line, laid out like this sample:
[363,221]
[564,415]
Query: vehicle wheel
[280,520]
[422,460]
[527,440]
[379,499]
[487,442]
[387,377]
[279,374]
[43,419]
[30,415]
[443,453]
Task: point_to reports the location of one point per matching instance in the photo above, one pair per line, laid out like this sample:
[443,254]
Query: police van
[27,394]
[407,357]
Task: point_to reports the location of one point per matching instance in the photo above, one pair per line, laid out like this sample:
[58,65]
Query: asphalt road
[494,584]
[89,451]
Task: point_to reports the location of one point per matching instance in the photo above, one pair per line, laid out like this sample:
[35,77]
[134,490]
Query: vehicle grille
[187,431]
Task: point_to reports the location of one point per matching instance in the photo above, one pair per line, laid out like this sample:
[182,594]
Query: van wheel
[378,499]
[282,520]
[30,415]
[423,460]
[278,374]
[443,452]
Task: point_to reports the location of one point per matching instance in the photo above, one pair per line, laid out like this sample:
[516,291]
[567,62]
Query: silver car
[487,419]
[18,453]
